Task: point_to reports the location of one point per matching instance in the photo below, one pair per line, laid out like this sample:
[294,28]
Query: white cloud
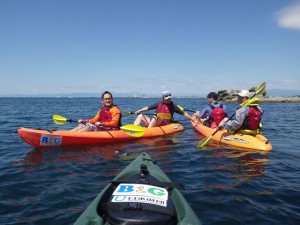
[289,17]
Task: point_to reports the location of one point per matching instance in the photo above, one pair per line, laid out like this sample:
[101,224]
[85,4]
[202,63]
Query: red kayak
[46,138]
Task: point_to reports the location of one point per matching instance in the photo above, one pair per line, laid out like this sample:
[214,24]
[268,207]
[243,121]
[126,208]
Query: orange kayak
[46,138]
[257,142]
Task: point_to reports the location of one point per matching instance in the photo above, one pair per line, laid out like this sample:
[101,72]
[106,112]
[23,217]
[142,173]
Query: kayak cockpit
[139,199]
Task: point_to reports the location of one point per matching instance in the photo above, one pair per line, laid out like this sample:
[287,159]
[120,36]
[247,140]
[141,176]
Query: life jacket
[105,115]
[163,108]
[253,118]
[217,114]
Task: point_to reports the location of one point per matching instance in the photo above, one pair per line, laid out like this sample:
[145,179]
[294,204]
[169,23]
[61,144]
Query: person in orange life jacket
[107,118]
[247,118]
[165,106]
[214,113]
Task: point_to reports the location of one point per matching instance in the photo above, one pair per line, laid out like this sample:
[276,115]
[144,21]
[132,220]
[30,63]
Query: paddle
[60,120]
[166,116]
[130,129]
[188,110]
[249,102]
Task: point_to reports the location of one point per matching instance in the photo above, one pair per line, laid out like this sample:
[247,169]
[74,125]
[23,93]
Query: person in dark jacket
[165,106]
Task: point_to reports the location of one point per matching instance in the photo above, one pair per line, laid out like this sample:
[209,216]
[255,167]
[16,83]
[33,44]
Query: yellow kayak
[255,142]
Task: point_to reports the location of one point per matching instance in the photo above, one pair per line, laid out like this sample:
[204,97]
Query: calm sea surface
[222,185]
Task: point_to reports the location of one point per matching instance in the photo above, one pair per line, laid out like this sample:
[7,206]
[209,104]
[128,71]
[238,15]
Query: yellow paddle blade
[133,130]
[128,113]
[261,88]
[180,107]
[187,110]
[250,102]
[254,102]
[166,116]
[59,119]
[204,141]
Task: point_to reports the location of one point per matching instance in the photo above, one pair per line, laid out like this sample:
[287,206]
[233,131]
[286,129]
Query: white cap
[166,95]
[244,93]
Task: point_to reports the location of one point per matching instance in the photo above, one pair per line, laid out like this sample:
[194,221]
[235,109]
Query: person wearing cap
[212,114]
[246,119]
[164,106]
[107,118]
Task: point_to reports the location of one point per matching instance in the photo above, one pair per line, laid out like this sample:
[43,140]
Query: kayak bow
[141,194]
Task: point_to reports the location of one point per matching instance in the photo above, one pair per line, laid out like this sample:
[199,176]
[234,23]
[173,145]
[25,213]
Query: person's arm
[153,106]
[260,109]
[195,117]
[186,115]
[196,114]
[205,113]
[225,110]
[94,119]
[142,110]
[239,119]
[182,112]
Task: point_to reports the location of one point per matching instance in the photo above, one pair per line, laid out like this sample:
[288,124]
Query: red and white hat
[166,95]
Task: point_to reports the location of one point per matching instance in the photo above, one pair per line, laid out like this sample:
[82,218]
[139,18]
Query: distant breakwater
[281,99]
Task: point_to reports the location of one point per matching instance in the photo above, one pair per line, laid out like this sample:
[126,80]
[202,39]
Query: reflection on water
[159,148]
[73,175]
[249,165]
[241,165]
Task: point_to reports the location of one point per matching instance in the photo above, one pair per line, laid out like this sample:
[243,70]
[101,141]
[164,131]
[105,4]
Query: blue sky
[148,46]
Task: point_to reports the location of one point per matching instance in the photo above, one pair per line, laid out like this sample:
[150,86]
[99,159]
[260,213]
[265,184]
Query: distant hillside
[75,95]
[94,94]
[271,93]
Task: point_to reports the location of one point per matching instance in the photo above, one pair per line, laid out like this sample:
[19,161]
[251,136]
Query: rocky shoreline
[231,96]
[273,99]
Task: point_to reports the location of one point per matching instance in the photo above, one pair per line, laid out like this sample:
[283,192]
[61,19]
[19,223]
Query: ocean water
[222,184]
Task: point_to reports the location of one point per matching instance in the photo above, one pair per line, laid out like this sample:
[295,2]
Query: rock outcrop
[231,95]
